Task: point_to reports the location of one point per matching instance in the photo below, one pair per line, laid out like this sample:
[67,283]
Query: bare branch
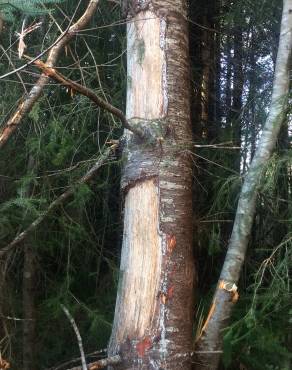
[79,339]
[60,200]
[100,364]
[74,86]
[26,105]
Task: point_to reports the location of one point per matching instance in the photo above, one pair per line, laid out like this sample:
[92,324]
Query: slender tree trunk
[1,24]
[215,70]
[238,81]
[228,70]
[251,101]
[209,345]
[29,294]
[153,318]
[29,309]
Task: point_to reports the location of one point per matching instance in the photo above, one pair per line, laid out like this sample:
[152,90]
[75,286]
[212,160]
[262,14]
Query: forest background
[72,257]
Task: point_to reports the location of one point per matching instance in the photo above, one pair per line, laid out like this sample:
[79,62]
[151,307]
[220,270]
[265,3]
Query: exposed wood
[141,262]
[28,102]
[153,317]
[211,339]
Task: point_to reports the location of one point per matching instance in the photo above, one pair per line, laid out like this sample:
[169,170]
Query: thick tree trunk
[209,345]
[153,318]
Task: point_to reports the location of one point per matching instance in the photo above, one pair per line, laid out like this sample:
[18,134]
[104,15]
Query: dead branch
[26,105]
[79,339]
[74,86]
[65,365]
[60,200]
[100,364]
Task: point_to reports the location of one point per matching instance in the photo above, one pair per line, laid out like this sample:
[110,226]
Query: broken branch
[75,86]
[79,339]
[100,364]
[27,104]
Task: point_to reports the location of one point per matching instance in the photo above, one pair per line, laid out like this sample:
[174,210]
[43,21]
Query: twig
[65,365]
[79,339]
[27,104]
[100,364]
[75,86]
[55,43]
[60,200]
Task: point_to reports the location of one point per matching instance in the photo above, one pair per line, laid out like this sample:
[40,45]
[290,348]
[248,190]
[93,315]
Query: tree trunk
[209,346]
[238,81]
[29,291]
[153,317]
[29,309]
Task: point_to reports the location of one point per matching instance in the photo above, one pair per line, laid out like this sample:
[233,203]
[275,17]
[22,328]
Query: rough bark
[153,318]
[209,345]
[26,105]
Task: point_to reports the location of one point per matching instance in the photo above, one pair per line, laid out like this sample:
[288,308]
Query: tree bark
[153,318]
[209,346]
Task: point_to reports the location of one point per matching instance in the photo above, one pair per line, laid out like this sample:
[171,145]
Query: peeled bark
[153,317]
[209,345]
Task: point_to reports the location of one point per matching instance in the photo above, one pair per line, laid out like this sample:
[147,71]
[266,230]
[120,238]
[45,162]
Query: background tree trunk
[209,346]
[153,317]
[29,290]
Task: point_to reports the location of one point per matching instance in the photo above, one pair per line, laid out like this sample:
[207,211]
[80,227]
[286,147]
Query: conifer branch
[60,200]
[27,104]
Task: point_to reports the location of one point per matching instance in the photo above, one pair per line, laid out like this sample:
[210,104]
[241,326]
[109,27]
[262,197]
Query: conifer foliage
[10,8]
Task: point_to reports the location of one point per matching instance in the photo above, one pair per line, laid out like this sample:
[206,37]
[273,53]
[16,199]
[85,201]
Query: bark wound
[140,265]
[146,57]
[153,317]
